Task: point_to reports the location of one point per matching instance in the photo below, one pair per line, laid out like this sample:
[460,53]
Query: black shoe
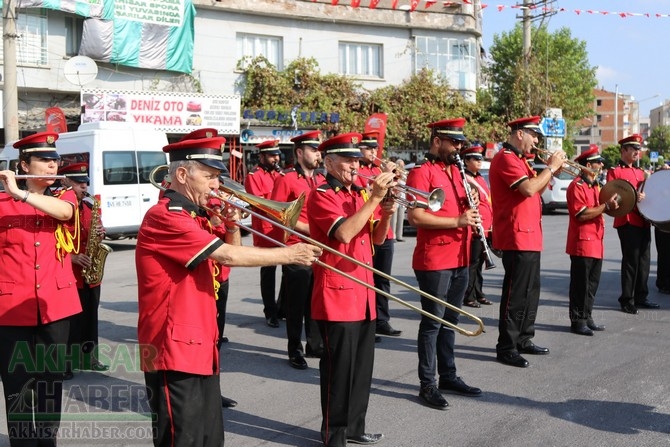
[512,359]
[594,327]
[68,375]
[272,322]
[365,439]
[458,386]
[386,329]
[228,403]
[433,398]
[97,366]
[224,339]
[646,304]
[378,339]
[580,329]
[629,309]
[534,350]
[297,361]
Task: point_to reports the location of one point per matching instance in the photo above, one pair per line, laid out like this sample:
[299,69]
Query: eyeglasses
[454,142]
[474,158]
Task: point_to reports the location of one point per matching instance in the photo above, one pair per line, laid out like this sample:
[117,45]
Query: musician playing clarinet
[441,260]
[517,223]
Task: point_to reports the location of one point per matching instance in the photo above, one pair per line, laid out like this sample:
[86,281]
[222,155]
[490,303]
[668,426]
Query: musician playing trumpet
[441,260]
[517,223]
[585,240]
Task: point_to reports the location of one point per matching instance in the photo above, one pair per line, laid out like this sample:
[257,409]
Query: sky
[631,53]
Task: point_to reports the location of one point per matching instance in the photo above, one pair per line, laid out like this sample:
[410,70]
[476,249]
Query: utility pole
[10,97]
[526,32]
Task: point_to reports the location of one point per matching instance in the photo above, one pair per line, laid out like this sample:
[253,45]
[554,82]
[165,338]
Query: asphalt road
[607,390]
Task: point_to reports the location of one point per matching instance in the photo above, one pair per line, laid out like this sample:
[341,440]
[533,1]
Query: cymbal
[627,196]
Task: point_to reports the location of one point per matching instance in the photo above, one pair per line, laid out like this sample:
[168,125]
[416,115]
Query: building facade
[375,47]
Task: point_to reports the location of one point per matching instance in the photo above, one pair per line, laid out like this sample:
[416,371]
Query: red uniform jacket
[517,220]
[485,209]
[585,238]
[445,248]
[335,297]
[288,188]
[634,176]
[370,170]
[35,287]
[177,310]
[260,182]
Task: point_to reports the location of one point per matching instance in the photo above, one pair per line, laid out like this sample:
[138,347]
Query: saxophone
[95,249]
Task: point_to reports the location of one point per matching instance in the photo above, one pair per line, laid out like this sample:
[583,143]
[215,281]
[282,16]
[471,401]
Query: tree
[558,75]
[659,140]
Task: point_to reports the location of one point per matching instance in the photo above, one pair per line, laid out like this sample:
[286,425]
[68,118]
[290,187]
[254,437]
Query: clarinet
[480,230]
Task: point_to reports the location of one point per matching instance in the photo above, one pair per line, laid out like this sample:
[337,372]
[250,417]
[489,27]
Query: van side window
[147,162]
[119,168]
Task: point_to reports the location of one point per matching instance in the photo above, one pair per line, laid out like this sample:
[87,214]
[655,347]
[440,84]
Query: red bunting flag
[430,3]
[413,5]
[374,3]
[334,2]
[355,3]
[394,4]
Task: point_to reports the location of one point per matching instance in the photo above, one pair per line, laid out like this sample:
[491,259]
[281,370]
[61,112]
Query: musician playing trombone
[517,223]
[441,260]
[341,216]
[177,325]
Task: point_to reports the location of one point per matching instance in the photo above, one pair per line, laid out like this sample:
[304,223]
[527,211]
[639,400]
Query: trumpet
[401,174]
[274,209]
[569,166]
[431,200]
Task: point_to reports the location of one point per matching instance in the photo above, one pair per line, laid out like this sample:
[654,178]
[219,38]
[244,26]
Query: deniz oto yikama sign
[173,112]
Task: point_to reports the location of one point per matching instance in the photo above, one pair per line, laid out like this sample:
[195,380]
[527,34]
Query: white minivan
[120,159]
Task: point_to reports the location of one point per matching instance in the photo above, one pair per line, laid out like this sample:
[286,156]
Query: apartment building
[616,116]
[375,47]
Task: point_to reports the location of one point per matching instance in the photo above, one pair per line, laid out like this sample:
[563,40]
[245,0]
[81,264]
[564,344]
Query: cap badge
[51,139]
[209,134]
[354,140]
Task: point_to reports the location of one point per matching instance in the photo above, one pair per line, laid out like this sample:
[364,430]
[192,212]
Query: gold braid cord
[65,239]
[215,268]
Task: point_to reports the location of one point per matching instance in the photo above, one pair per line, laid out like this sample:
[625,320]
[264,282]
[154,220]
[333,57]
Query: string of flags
[413,4]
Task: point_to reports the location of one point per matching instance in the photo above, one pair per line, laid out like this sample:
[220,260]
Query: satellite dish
[80,70]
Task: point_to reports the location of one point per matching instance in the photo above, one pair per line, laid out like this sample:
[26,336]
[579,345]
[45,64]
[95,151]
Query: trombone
[569,166]
[431,200]
[273,208]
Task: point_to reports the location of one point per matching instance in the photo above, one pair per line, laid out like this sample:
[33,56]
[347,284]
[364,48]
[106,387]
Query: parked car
[554,195]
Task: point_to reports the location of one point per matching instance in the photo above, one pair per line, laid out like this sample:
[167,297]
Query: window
[358,59]
[31,46]
[119,168]
[74,27]
[599,102]
[599,118]
[253,45]
[147,162]
[455,59]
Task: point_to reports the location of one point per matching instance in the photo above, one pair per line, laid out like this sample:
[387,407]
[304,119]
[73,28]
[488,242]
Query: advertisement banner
[172,112]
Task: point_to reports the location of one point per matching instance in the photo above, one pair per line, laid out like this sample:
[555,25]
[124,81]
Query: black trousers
[475,277]
[519,301]
[662,239]
[383,261]
[636,252]
[296,292]
[84,328]
[268,281]
[186,409]
[32,363]
[584,282]
[221,304]
[346,376]
[435,344]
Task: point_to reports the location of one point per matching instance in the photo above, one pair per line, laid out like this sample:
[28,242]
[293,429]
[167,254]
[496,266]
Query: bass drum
[656,204]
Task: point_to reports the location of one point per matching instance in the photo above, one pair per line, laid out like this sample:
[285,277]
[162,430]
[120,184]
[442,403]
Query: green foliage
[659,141]
[611,154]
[558,75]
